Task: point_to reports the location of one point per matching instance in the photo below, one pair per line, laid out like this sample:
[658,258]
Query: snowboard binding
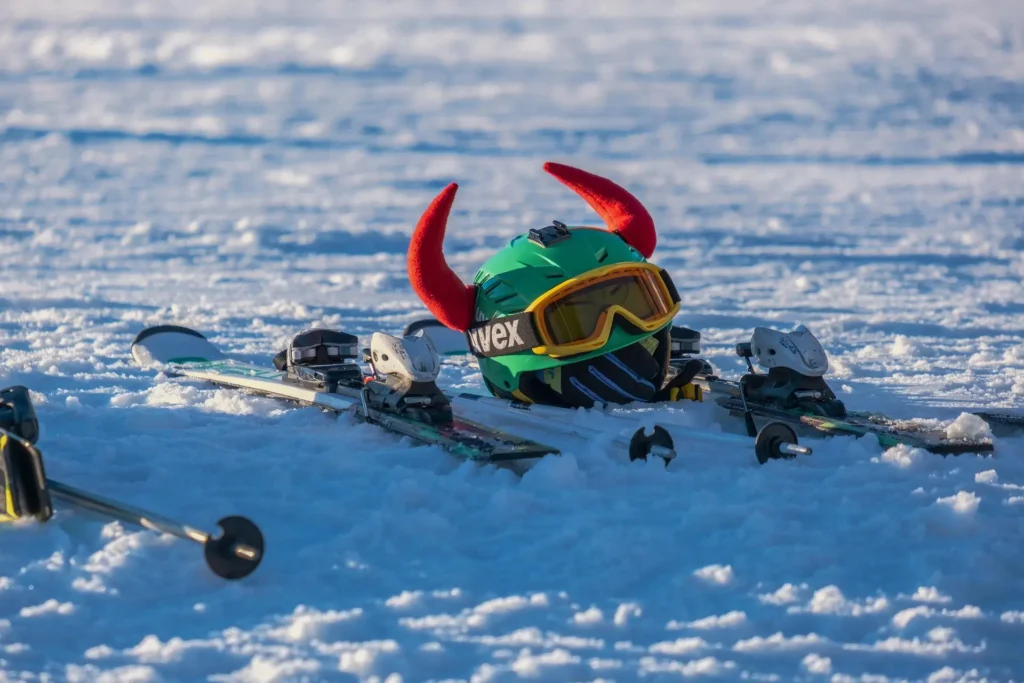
[796,363]
[405,371]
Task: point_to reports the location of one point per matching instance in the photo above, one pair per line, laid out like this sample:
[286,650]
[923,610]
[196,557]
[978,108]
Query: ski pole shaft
[235,554]
[125,513]
[794,449]
[503,406]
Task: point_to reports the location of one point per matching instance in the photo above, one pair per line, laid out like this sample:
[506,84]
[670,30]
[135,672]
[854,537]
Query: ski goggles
[578,316]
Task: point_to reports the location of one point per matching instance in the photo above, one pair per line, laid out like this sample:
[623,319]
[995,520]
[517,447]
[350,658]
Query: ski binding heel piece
[412,358]
[683,342]
[798,350]
[404,371]
[796,364]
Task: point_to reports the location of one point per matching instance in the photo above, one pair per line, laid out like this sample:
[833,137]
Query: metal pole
[236,553]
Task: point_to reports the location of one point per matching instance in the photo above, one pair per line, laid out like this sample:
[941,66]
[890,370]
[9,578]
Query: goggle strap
[503,336]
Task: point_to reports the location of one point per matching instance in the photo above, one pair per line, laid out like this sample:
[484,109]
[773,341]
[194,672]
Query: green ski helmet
[563,315]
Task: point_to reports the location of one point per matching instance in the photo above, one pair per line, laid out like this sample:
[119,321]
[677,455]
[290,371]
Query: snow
[964,502]
[816,664]
[250,169]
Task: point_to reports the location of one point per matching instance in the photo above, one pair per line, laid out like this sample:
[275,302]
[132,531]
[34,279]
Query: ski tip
[171,343]
[160,329]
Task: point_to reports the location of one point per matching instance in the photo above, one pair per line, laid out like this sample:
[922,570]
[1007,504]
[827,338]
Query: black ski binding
[320,359]
[684,343]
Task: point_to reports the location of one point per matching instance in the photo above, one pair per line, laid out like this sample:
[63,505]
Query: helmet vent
[601,255]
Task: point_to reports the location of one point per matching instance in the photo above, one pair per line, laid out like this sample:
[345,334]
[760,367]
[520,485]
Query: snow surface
[251,168]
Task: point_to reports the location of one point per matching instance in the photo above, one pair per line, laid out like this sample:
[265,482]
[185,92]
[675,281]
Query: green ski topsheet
[188,353]
[888,431]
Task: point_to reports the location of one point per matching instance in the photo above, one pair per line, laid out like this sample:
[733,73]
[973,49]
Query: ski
[888,431]
[400,395]
[659,443]
[793,390]
[1005,420]
[796,397]
[418,410]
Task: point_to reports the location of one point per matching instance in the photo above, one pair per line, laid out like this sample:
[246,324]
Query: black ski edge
[160,329]
[960,449]
[1008,419]
[519,455]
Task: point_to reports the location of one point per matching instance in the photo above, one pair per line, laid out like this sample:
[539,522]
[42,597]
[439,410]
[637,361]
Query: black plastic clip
[552,234]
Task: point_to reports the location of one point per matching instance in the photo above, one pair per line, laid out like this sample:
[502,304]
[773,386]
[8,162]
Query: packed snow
[252,168]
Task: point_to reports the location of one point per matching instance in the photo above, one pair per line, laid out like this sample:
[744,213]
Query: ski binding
[793,390]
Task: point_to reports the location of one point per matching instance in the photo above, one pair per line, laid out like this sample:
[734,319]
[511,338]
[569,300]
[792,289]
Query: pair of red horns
[452,301]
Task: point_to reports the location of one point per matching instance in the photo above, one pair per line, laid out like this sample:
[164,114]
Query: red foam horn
[622,212]
[450,300]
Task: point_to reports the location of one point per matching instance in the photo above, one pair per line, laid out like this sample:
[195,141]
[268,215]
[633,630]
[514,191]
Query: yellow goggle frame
[649,275]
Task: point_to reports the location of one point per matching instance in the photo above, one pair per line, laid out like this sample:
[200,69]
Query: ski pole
[234,554]
[774,441]
[658,444]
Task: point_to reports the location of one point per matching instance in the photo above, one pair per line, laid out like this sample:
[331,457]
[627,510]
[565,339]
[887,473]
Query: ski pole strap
[502,336]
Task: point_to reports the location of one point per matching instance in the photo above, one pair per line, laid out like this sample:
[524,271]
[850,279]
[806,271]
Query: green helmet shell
[524,270]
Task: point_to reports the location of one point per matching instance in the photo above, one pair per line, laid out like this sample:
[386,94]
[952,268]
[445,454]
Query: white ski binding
[798,350]
[796,364]
[404,370]
[411,358]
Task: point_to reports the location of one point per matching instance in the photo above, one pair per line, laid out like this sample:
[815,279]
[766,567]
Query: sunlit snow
[253,168]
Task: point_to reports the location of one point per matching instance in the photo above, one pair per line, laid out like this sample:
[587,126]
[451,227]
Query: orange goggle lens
[579,315]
